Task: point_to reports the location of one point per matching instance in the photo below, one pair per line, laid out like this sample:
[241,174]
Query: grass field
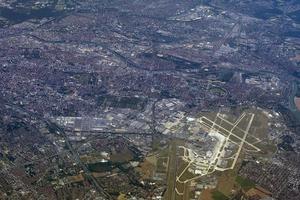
[217,195]
[227,179]
[147,167]
[226,182]
[124,156]
[245,183]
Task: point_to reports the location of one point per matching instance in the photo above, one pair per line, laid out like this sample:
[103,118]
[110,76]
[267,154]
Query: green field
[245,183]
[217,195]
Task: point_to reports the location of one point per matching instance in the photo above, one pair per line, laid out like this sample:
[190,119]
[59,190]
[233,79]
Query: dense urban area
[140,100]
